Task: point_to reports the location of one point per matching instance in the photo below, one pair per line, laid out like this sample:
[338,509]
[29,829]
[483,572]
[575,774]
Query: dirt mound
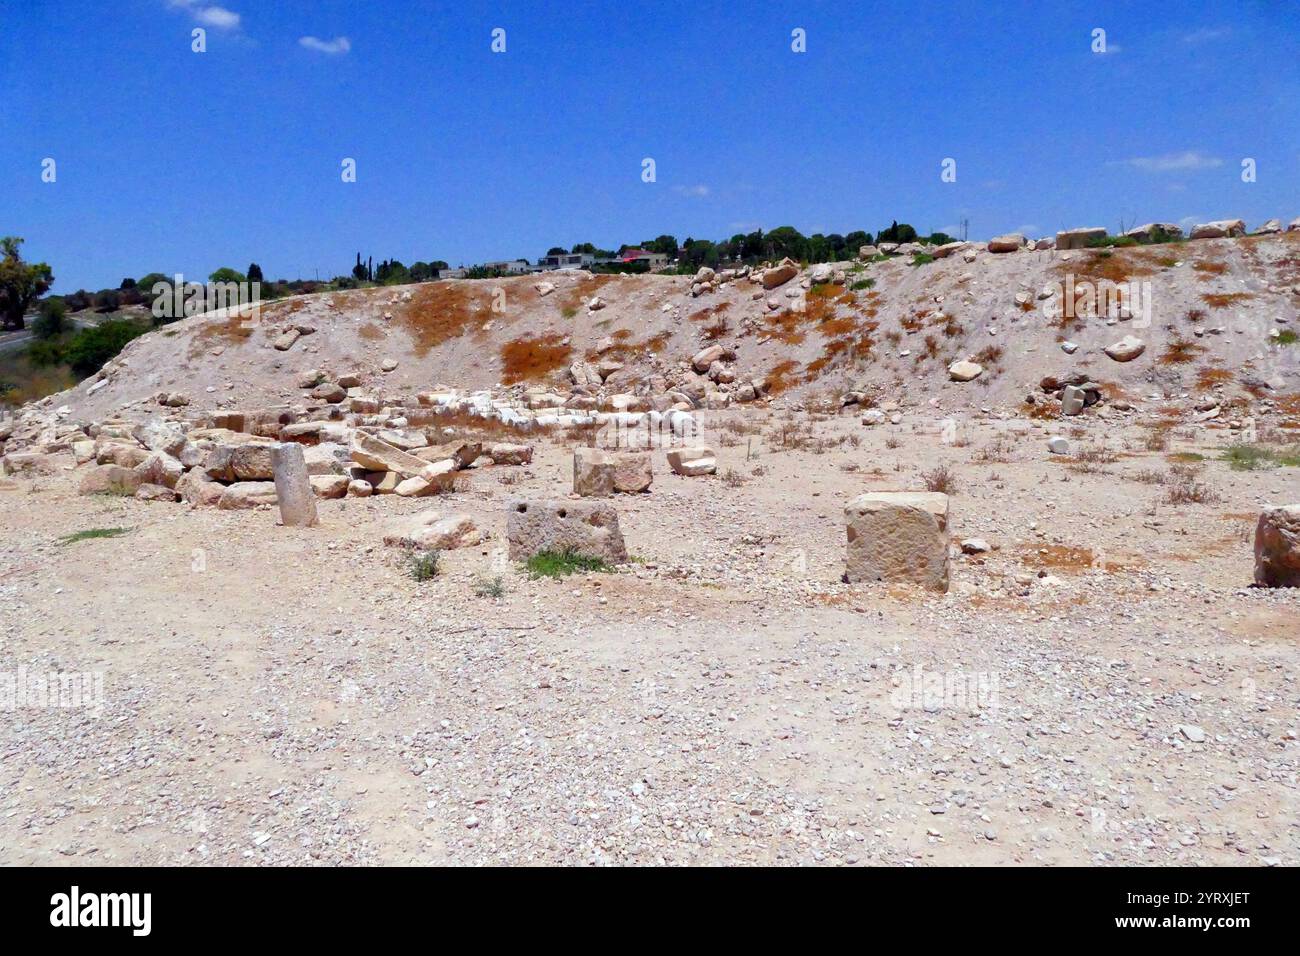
[1206,311]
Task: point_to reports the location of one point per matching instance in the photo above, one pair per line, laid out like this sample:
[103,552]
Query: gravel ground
[1116,693]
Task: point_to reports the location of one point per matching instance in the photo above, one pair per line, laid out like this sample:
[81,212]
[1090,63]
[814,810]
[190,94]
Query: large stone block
[1277,547]
[588,528]
[593,473]
[898,537]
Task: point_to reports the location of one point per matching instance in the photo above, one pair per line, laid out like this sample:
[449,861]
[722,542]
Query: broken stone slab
[246,494]
[898,537]
[965,371]
[376,455]
[1126,349]
[504,453]
[293,490]
[462,453]
[1277,547]
[147,492]
[587,528]
[435,478]
[285,340]
[329,486]
[434,530]
[693,462]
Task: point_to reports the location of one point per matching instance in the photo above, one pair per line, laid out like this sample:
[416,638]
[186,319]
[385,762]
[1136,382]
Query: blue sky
[170,160]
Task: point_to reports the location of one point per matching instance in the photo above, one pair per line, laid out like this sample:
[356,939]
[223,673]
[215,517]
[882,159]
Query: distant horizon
[830,120]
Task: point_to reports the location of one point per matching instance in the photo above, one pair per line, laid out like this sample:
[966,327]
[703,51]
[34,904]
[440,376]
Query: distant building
[450,273]
[655,260]
[510,267]
[568,260]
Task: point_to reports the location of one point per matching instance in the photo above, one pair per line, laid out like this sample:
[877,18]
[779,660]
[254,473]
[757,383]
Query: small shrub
[1184,489]
[1255,457]
[922,259]
[91,534]
[733,479]
[490,587]
[423,565]
[941,479]
[1287,337]
[559,564]
[861,284]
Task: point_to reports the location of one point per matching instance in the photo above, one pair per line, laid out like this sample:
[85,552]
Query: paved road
[14,340]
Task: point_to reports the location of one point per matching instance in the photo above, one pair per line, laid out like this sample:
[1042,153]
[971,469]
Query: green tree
[226,274]
[21,283]
[254,272]
[91,348]
[51,318]
[897,232]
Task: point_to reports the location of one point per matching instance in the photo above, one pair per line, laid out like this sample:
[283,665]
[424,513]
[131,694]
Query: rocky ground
[1116,691]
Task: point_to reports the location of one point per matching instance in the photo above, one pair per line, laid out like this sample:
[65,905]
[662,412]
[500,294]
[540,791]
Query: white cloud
[335,47]
[1206,35]
[698,191]
[1171,162]
[209,16]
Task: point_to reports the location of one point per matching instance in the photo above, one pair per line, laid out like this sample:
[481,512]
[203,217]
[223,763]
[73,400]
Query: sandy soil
[277,696]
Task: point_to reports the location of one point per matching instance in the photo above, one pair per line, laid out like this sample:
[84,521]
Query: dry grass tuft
[530,359]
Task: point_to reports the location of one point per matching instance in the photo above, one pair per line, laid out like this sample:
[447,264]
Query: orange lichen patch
[715,330]
[621,334]
[837,326]
[1221,300]
[1289,404]
[1210,268]
[1060,557]
[466,425]
[1180,352]
[785,327]
[1210,376]
[869,306]
[1118,265]
[441,311]
[233,328]
[989,355]
[1041,411]
[778,377]
[370,332]
[912,323]
[529,359]
[701,315]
